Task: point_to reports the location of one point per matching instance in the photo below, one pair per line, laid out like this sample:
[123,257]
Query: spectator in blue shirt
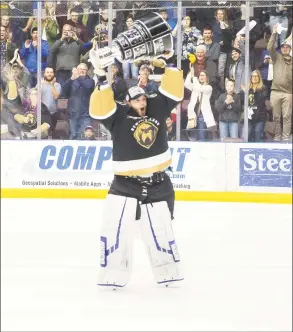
[165,15]
[29,53]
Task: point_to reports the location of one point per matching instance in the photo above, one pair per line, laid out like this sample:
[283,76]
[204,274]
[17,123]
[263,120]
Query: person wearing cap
[281,94]
[89,133]
[142,192]
[235,69]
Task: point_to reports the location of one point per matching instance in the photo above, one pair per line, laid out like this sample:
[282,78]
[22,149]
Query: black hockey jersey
[140,144]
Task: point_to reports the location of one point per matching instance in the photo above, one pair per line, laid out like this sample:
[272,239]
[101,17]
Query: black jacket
[257,100]
[231,112]
[78,92]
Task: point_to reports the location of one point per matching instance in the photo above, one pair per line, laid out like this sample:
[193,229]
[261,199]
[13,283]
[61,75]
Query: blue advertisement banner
[265,167]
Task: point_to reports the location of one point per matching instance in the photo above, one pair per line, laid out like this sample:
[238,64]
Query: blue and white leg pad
[117,237]
[157,233]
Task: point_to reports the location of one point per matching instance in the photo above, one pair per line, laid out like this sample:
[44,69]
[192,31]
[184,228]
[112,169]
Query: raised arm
[271,44]
[172,84]
[102,103]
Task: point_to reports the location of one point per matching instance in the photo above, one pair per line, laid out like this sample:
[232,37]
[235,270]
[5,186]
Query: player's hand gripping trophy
[149,38]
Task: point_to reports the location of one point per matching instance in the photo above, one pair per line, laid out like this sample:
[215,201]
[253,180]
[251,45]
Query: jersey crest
[146,133]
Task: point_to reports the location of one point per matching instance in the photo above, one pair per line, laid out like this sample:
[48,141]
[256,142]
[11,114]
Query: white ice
[237,264]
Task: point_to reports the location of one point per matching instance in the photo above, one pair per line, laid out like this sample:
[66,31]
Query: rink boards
[223,172]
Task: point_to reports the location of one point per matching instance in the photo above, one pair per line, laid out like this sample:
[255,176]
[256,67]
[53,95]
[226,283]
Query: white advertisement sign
[196,167]
[87,165]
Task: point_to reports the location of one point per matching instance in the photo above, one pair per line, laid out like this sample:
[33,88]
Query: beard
[49,79]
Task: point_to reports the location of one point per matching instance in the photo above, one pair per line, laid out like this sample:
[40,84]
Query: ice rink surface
[237,261]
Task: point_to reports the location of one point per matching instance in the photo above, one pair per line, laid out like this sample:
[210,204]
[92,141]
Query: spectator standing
[203,63]
[50,93]
[229,108]
[213,48]
[200,113]
[65,54]
[78,27]
[257,113]
[191,37]
[6,48]
[29,53]
[222,34]
[78,90]
[279,16]
[165,15]
[97,23]
[50,28]
[235,70]
[281,94]
[20,24]
[5,22]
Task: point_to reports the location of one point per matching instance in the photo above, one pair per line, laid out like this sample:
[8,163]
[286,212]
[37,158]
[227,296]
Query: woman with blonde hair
[199,111]
[257,96]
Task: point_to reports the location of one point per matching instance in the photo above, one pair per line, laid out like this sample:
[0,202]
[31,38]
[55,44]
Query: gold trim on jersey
[148,170]
[143,166]
[102,103]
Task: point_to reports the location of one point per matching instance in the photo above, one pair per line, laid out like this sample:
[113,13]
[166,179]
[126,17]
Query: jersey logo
[30,119]
[145,134]
[120,102]
[153,95]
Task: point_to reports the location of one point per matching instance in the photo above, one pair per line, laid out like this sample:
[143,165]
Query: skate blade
[109,286]
[171,283]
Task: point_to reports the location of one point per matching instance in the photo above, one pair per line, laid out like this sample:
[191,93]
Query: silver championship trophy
[149,38]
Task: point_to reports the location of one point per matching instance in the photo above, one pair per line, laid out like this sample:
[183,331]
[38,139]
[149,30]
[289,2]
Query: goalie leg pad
[117,235]
[157,234]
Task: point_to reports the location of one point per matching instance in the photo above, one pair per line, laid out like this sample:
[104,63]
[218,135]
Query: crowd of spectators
[212,60]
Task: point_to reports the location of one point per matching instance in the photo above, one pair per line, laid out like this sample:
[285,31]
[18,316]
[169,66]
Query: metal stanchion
[246,71]
[178,51]
[39,69]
